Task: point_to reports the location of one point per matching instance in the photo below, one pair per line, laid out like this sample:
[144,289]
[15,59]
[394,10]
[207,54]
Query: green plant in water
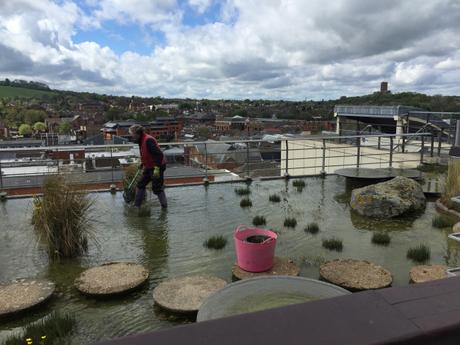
[290,222]
[443,221]
[421,253]
[333,243]
[452,187]
[246,202]
[274,198]
[53,330]
[130,180]
[312,228]
[381,238]
[259,220]
[434,168]
[298,183]
[63,218]
[215,242]
[242,191]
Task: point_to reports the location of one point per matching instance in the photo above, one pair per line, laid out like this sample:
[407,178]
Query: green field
[8,91]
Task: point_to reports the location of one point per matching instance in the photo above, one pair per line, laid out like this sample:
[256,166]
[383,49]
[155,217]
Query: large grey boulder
[388,199]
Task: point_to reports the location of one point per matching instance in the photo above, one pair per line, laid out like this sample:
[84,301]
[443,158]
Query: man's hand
[156,172]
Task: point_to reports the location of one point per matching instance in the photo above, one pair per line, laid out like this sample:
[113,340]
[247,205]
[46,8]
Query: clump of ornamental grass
[452,187]
[432,168]
[246,202]
[443,221]
[420,253]
[259,220]
[242,191]
[312,228]
[333,243]
[215,242]
[274,198]
[298,183]
[53,330]
[63,218]
[290,222]
[130,180]
[381,238]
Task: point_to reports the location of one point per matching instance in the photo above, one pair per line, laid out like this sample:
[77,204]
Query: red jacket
[151,155]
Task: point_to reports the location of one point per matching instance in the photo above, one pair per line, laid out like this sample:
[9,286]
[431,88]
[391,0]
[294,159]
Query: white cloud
[271,49]
[200,5]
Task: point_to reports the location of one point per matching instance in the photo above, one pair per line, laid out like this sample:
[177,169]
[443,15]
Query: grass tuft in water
[242,191]
[130,180]
[290,222]
[298,183]
[215,242]
[312,228]
[259,220]
[443,221]
[333,243]
[274,198]
[54,330]
[63,218]
[246,202]
[381,238]
[421,253]
[434,168]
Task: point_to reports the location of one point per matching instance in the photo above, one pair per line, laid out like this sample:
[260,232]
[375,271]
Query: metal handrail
[185,143]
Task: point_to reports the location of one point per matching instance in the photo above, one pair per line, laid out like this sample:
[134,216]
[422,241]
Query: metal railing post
[247,160]
[358,147]
[439,144]
[111,160]
[422,149]
[403,145]
[1,176]
[287,159]
[391,152]
[432,145]
[379,139]
[323,164]
[206,160]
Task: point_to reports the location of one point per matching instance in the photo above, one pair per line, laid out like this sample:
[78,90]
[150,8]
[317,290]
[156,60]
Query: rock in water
[388,199]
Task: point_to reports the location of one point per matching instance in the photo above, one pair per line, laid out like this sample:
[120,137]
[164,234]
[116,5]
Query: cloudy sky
[273,49]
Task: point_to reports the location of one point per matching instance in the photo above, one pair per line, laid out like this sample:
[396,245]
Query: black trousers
[157,182]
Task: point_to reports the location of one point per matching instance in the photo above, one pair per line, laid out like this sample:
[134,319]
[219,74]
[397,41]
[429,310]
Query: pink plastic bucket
[254,257]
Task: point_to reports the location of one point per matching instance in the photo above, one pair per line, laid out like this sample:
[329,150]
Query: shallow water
[267,301]
[171,244]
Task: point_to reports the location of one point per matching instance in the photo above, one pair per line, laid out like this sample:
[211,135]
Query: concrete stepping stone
[111,279]
[22,294]
[426,273]
[281,267]
[186,294]
[355,275]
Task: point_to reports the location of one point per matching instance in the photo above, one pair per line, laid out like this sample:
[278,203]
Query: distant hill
[11,92]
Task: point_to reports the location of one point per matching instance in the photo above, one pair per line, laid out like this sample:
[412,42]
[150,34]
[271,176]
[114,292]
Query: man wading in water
[153,163]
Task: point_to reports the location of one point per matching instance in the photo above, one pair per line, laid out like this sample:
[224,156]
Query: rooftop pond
[171,244]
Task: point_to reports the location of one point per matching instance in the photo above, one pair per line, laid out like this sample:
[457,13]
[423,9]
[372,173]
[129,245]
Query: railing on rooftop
[220,161]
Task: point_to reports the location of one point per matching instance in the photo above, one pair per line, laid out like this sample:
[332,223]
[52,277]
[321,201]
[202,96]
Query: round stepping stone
[23,294]
[426,273]
[281,267]
[111,278]
[355,275]
[186,294]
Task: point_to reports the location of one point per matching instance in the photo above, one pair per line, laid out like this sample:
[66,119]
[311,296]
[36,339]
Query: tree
[65,128]
[203,132]
[25,130]
[39,127]
[32,116]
